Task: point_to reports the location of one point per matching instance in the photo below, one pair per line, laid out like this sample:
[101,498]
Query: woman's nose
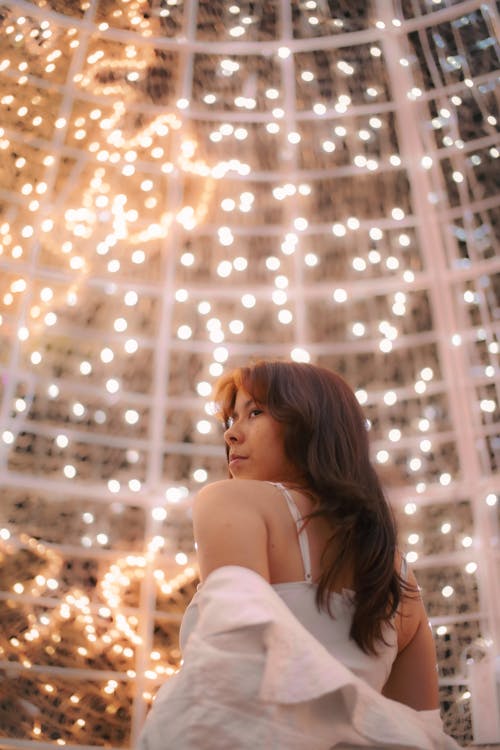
[231,435]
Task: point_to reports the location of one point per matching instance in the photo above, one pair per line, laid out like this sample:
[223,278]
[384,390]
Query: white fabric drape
[254,678]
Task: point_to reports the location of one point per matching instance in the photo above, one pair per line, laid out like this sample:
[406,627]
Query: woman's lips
[235,459]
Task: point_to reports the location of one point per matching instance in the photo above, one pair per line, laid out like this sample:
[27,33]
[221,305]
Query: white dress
[264,670]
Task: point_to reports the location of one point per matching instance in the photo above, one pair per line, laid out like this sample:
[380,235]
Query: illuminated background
[187,185]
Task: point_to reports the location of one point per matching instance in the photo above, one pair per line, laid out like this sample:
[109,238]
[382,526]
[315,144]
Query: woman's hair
[325,436]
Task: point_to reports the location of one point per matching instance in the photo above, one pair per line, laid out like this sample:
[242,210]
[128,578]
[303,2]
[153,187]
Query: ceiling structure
[185,186]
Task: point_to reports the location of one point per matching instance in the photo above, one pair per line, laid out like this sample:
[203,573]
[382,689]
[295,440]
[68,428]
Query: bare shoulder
[229,527]
[235,491]
[411,613]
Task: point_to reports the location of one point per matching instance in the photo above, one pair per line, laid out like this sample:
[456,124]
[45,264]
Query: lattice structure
[187,185]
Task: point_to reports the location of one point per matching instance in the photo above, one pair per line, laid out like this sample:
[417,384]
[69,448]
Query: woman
[307,631]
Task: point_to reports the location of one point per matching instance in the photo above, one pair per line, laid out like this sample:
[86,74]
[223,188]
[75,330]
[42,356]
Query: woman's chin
[240,472]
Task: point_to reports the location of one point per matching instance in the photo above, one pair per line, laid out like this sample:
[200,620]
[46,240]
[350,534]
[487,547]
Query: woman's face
[255,442]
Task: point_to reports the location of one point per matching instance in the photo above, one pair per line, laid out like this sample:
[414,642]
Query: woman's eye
[255,412]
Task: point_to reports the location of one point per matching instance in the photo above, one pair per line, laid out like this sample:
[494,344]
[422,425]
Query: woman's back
[286,563]
[295,565]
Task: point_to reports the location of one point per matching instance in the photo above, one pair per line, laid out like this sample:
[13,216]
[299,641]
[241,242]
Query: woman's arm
[228,527]
[413,678]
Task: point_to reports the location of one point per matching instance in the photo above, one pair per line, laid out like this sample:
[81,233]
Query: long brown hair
[325,436]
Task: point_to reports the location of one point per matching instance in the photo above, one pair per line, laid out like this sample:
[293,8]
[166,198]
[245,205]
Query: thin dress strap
[302,533]
[404,568]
